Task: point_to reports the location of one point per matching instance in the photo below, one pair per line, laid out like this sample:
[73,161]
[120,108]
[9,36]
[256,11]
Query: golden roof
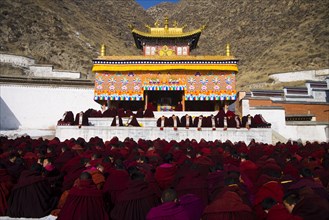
[163,63]
[166,31]
[166,58]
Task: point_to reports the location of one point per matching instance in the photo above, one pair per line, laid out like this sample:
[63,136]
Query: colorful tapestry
[197,85]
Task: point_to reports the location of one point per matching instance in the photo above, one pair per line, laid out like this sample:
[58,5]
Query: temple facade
[166,76]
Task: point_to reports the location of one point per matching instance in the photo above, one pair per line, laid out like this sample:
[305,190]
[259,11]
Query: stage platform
[150,133]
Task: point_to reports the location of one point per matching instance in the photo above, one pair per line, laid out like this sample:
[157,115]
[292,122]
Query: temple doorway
[163,100]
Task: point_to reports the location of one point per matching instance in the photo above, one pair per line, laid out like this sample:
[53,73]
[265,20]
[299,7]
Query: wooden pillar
[146,99]
[183,100]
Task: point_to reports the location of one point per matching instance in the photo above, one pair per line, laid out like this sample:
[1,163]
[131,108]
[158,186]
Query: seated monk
[199,122]
[169,209]
[179,107]
[225,117]
[96,114]
[174,122]
[260,122]
[136,201]
[148,113]
[116,182]
[227,206]
[81,119]
[67,119]
[132,121]
[129,113]
[140,113]
[186,121]
[166,172]
[84,201]
[121,113]
[110,113]
[6,184]
[277,210]
[32,196]
[162,122]
[306,204]
[248,122]
[117,121]
[193,204]
[211,122]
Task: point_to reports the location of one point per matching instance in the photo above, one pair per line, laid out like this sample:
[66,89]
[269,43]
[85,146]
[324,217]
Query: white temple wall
[40,107]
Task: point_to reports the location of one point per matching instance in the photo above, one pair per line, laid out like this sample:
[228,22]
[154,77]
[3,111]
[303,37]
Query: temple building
[166,75]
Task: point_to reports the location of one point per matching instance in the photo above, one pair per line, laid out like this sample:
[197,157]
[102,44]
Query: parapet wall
[301,75]
[14,60]
[37,70]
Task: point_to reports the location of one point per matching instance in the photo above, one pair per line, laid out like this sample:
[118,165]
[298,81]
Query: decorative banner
[130,86]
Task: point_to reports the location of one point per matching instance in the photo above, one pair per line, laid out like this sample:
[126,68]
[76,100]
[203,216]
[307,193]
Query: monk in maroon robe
[162,122]
[277,210]
[67,119]
[166,172]
[174,122]
[169,209]
[211,122]
[248,122]
[228,206]
[193,205]
[81,119]
[121,113]
[186,121]
[84,201]
[140,113]
[136,201]
[116,182]
[148,113]
[117,121]
[132,121]
[6,184]
[110,113]
[199,122]
[31,197]
[307,205]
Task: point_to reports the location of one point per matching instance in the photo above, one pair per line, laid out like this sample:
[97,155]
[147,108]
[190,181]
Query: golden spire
[103,50]
[166,23]
[228,49]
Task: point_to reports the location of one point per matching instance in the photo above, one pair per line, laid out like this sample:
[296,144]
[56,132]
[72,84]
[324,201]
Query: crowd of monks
[223,119]
[158,179]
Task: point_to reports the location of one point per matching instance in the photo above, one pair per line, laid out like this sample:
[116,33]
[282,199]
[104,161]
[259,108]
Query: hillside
[68,33]
[266,37]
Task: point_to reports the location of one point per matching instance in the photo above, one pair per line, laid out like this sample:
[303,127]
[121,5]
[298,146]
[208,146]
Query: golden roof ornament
[228,50]
[166,23]
[103,50]
[165,30]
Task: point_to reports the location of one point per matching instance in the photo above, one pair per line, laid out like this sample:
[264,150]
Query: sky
[149,3]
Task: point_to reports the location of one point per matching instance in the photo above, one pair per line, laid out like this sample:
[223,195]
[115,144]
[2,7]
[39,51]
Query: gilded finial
[166,23]
[103,50]
[156,23]
[148,26]
[203,27]
[175,24]
[228,49]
